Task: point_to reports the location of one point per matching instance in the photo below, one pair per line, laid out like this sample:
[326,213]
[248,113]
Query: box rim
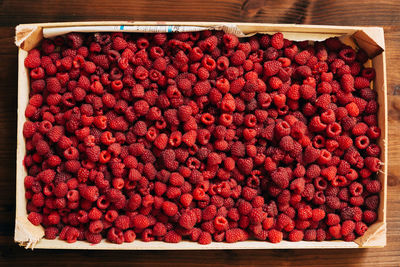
[336,29]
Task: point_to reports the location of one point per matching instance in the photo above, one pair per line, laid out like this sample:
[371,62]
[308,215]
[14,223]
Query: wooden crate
[371,39]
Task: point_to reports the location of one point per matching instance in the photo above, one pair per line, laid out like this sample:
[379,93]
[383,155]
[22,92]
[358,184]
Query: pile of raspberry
[200,136]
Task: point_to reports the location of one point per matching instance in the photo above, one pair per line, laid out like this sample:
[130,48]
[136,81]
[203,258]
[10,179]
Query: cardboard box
[371,39]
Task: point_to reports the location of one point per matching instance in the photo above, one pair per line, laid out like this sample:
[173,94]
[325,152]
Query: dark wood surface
[384,13]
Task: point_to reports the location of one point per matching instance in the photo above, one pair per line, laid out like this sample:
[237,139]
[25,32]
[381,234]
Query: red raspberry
[238,57]
[115,235]
[235,235]
[361,228]
[318,215]
[302,57]
[47,176]
[119,43]
[307,91]
[204,238]
[283,220]
[347,83]
[172,237]
[74,40]
[230,40]
[90,193]
[304,212]
[275,236]
[332,219]
[35,218]
[335,231]
[245,165]
[311,154]
[372,202]
[347,227]
[374,132]
[371,107]
[129,236]
[280,177]
[169,208]
[55,133]
[210,43]
[369,216]
[140,221]
[51,233]
[271,68]
[53,85]
[373,186]
[277,40]
[33,59]
[296,235]
[372,163]
[122,222]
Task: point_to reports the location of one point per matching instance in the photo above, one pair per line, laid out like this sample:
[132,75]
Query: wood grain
[340,12]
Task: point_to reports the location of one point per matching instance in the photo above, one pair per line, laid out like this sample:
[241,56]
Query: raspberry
[335,231]
[280,177]
[230,41]
[169,208]
[51,233]
[277,40]
[53,85]
[90,193]
[304,212]
[282,129]
[374,132]
[332,219]
[311,154]
[204,238]
[302,57]
[210,43]
[119,43]
[47,176]
[275,236]
[115,235]
[74,40]
[369,216]
[140,221]
[307,91]
[318,215]
[371,107]
[35,218]
[172,237]
[238,149]
[33,59]
[368,94]
[372,202]
[235,235]
[373,186]
[310,235]
[271,68]
[296,235]
[372,163]
[55,133]
[347,227]
[238,57]
[245,165]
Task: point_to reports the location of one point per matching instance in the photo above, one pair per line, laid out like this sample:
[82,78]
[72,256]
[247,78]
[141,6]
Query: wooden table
[384,13]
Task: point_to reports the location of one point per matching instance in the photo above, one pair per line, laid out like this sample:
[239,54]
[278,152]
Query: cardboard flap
[27,36]
[374,237]
[27,234]
[371,40]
